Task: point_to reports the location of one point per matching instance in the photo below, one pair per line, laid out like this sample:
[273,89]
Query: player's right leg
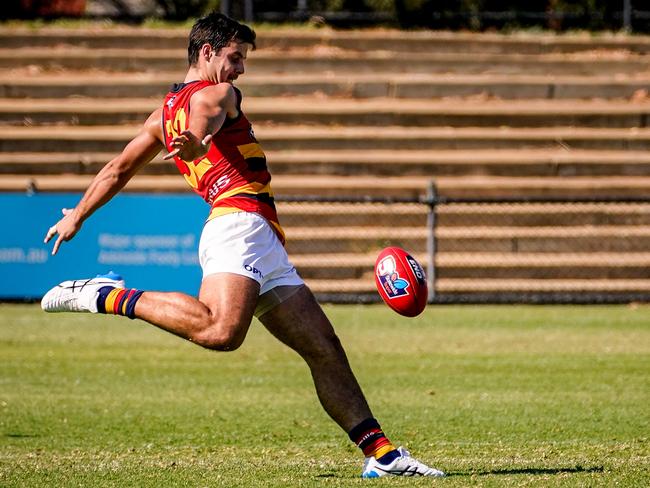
[79,295]
[218,320]
[229,294]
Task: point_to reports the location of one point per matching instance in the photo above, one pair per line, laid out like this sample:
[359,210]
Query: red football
[401,281]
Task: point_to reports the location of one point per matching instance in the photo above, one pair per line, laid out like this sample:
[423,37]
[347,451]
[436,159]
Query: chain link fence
[480,251]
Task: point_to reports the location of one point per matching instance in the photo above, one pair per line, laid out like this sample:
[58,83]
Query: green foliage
[487,14]
[349,5]
[498,396]
[178,10]
[381,5]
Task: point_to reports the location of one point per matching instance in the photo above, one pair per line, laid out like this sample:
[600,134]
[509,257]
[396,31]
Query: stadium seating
[380,113]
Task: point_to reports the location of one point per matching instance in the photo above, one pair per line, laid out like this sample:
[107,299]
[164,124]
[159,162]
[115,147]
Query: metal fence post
[225,7]
[248,11]
[627,15]
[431,240]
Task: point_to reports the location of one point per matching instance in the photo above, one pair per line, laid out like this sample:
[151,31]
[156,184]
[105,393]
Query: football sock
[369,437]
[118,301]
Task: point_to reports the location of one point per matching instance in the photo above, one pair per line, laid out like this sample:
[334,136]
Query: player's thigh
[231,298]
[300,323]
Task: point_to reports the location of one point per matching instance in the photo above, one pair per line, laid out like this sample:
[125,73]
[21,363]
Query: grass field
[495,396]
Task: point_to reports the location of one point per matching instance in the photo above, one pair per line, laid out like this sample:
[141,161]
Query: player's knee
[220,337]
[217,340]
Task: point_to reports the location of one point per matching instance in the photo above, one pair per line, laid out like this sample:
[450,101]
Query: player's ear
[206,49]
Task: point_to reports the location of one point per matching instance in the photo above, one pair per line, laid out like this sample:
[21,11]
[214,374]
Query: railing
[529,250]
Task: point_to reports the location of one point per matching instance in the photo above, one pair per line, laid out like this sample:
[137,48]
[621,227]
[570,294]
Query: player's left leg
[300,323]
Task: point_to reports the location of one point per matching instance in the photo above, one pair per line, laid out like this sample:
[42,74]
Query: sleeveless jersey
[232,176]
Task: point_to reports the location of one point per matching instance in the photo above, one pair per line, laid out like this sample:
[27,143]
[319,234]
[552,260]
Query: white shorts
[244,243]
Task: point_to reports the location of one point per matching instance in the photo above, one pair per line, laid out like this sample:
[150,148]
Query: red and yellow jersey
[232,176]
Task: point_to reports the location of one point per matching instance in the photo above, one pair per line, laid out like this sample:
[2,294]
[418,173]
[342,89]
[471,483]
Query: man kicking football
[246,270]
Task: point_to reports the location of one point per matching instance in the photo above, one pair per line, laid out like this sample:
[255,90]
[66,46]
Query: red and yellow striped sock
[118,301]
[369,437]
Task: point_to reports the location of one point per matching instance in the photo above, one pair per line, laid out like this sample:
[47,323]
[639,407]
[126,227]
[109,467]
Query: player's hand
[66,228]
[188,147]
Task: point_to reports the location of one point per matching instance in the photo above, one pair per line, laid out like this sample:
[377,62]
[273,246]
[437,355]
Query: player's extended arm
[209,109]
[110,180]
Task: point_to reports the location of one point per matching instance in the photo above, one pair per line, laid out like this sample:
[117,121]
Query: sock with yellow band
[118,301]
[369,437]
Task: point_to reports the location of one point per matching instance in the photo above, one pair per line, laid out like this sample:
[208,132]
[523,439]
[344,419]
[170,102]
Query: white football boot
[405,465]
[79,295]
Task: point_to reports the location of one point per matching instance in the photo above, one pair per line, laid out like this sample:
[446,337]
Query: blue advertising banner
[151,240]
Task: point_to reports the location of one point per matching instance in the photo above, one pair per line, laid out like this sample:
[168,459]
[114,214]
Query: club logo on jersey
[390,279]
[170,103]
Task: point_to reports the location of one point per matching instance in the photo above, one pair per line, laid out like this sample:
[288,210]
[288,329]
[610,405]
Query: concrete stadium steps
[321,215]
[496,288]
[594,265]
[28,83]
[309,60]
[469,290]
[550,286]
[566,239]
[79,139]
[522,163]
[398,187]
[543,215]
[99,37]
[530,116]
[487,265]
[346,112]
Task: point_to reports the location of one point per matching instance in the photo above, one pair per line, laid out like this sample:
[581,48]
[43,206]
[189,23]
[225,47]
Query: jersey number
[192,171]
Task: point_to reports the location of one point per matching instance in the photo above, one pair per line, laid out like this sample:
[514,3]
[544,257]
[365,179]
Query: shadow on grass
[533,471]
[529,471]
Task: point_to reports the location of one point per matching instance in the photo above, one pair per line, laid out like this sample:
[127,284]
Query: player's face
[228,63]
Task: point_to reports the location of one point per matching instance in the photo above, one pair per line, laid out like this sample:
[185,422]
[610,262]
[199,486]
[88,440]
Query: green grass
[496,396]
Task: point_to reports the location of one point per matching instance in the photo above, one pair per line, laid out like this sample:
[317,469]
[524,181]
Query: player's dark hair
[218,30]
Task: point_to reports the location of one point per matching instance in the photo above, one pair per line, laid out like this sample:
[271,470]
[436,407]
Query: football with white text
[401,281]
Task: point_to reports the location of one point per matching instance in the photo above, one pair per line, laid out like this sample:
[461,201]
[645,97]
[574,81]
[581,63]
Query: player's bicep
[209,109]
[206,118]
